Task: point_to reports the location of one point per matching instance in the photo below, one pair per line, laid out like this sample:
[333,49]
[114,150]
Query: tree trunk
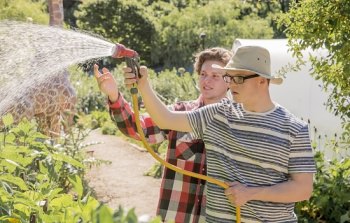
[56,12]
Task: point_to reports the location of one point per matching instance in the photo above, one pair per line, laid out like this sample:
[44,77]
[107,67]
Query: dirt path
[122,182]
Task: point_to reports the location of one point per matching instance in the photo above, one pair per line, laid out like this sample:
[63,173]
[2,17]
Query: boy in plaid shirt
[182,198]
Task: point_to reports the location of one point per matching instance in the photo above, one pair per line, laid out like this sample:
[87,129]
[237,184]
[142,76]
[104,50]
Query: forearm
[286,192]
[123,116]
[298,188]
[113,96]
[161,115]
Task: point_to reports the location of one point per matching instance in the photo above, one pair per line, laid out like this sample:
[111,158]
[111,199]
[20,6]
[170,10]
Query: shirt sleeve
[301,157]
[122,114]
[199,119]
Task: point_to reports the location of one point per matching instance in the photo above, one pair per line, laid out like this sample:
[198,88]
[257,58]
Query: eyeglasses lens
[238,79]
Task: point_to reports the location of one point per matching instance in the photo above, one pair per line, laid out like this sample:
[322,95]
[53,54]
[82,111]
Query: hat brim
[273,80]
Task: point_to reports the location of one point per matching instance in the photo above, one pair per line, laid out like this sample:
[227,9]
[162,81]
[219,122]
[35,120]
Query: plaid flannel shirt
[182,198]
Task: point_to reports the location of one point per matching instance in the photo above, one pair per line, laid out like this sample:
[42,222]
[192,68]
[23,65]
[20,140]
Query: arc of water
[31,54]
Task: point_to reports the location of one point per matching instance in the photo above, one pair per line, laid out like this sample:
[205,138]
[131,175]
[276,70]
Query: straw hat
[255,59]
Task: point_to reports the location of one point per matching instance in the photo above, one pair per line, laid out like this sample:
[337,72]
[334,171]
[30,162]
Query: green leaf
[14,180]
[345,217]
[131,216]
[10,138]
[7,120]
[89,208]
[24,199]
[64,200]
[67,159]
[77,184]
[53,193]
[12,165]
[25,126]
[20,207]
[158,219]
[105,215]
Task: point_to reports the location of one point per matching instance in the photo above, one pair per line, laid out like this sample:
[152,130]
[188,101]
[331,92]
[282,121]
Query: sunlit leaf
[15,181]
[7,120]
[77,185]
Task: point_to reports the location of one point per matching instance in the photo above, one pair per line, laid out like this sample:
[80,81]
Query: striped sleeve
[301,157]
[200,118]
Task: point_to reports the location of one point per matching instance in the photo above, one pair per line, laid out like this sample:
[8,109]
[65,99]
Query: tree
[166,33]
[324,24]
[222,21]
[121,21]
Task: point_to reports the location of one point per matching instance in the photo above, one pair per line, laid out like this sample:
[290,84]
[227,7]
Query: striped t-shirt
[256,149]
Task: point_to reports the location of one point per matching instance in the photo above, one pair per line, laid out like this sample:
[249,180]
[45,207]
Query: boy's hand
[130,78]
[106,83]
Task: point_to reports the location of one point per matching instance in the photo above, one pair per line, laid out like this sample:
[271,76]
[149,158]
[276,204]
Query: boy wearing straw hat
[254,144]
[182,198]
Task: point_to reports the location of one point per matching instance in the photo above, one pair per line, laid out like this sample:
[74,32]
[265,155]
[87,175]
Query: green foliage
[173,86]
[89,96]
[92,101]
[42,181]
[69,8]
[35,175]
[106,215]
[99,118]
[24,10]
[220,20]
[324,24]
[330,201]
[121,21]
[96,119]
[109,128]
[167,33]
[156,170]
[268,10]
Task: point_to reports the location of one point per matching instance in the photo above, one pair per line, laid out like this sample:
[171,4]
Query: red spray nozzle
[120,51]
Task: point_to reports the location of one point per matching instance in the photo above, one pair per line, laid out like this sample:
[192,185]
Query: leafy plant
[89,97]
[156,170]
[173,86]
[24,10]
[41,180]
[330,201]
[109,128]
[323,24]
[167,33]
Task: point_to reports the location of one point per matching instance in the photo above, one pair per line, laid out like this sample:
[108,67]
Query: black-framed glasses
[237,79]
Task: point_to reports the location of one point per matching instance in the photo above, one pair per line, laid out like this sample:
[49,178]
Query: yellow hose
[168,165]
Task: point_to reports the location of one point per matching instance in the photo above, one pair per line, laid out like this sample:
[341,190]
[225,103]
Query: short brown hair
[215,53]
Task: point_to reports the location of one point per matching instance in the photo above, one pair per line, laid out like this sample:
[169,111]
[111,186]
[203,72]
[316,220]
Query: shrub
[109,128]
[330,201]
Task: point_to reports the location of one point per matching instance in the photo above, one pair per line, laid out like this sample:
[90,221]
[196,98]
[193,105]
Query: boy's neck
[261,105]
[211,101]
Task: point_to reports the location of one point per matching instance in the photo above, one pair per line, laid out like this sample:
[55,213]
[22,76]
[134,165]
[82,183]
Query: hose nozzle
[120,51]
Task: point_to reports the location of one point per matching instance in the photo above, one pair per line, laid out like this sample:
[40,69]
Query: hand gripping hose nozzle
[131,59]
[120,51]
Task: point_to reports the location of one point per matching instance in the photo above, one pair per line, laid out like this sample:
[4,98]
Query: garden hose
[134,93]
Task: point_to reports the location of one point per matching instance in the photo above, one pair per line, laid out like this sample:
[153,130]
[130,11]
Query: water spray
[132,61]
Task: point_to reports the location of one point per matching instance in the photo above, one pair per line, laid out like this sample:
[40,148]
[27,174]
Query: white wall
[300,93]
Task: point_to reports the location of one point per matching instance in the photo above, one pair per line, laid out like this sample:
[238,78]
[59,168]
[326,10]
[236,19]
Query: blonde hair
[215,53]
